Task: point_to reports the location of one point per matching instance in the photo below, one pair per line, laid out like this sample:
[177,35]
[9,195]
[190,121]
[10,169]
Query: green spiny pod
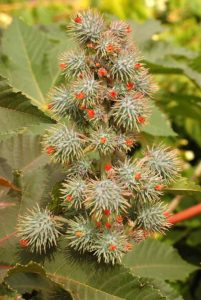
[74,63]
[80,168]
[103,140]
[110,246]
[62,104]
[151,217]
[144,83]
[163,161]
[131,113]
[105,195]
[125,142]
[95,116]
[107,45]
[63,144]
[138,235]
[39,229]
[80,234]
[144,185]
[87,26]
[120,29]
[86,91]
[123,67]
[73,193]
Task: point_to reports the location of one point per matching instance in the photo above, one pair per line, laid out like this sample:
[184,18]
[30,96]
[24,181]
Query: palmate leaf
[18,102]
[17,113]
[143,33]
[32,277]
[161,61]
[158,124]
[193,129]
[157,260]
[165,289]
[184,186]
[13,122]
[185,105]
[20,150]
[26,65]
[118,280]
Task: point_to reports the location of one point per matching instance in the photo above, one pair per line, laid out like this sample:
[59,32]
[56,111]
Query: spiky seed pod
[67,144]
[125,143]
[79,168]
[139,180]
[73,193]
[62,104]
[107,45]
[144,83]
[80,233]
[103,140]
[87,27]
[95,116]
[39,228]
[137,235]
[109,246]
[105,195]
[151,217]
[163,161]
[120,29]
[86,91]
[75,62]
[131,113]
[123,67]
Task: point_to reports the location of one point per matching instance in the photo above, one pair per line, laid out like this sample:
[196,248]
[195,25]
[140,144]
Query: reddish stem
[7,237]
[5,268]
[185,214]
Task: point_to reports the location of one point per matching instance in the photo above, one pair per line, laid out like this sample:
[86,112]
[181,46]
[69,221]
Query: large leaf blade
[154,259]
[25,65]
[158,124]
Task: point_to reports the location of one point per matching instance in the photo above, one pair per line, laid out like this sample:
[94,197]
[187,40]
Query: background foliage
[167,33]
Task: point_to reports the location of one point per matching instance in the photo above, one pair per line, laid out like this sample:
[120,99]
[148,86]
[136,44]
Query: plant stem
[185,214]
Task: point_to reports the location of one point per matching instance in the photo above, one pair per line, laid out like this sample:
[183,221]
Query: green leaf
[13,122]
[17,101]
[178,104]
[184,186]
[155,259]
[165,289]
[20,150]
[161,52]
[26,65]
[158,124]
[17,114]
[32,277]
[144,32]
[81,291]
[193,128]
[85,272]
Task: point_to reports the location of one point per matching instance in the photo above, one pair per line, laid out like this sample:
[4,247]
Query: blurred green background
[169,35]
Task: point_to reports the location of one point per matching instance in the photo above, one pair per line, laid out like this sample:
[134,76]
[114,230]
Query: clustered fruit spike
[105,102]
